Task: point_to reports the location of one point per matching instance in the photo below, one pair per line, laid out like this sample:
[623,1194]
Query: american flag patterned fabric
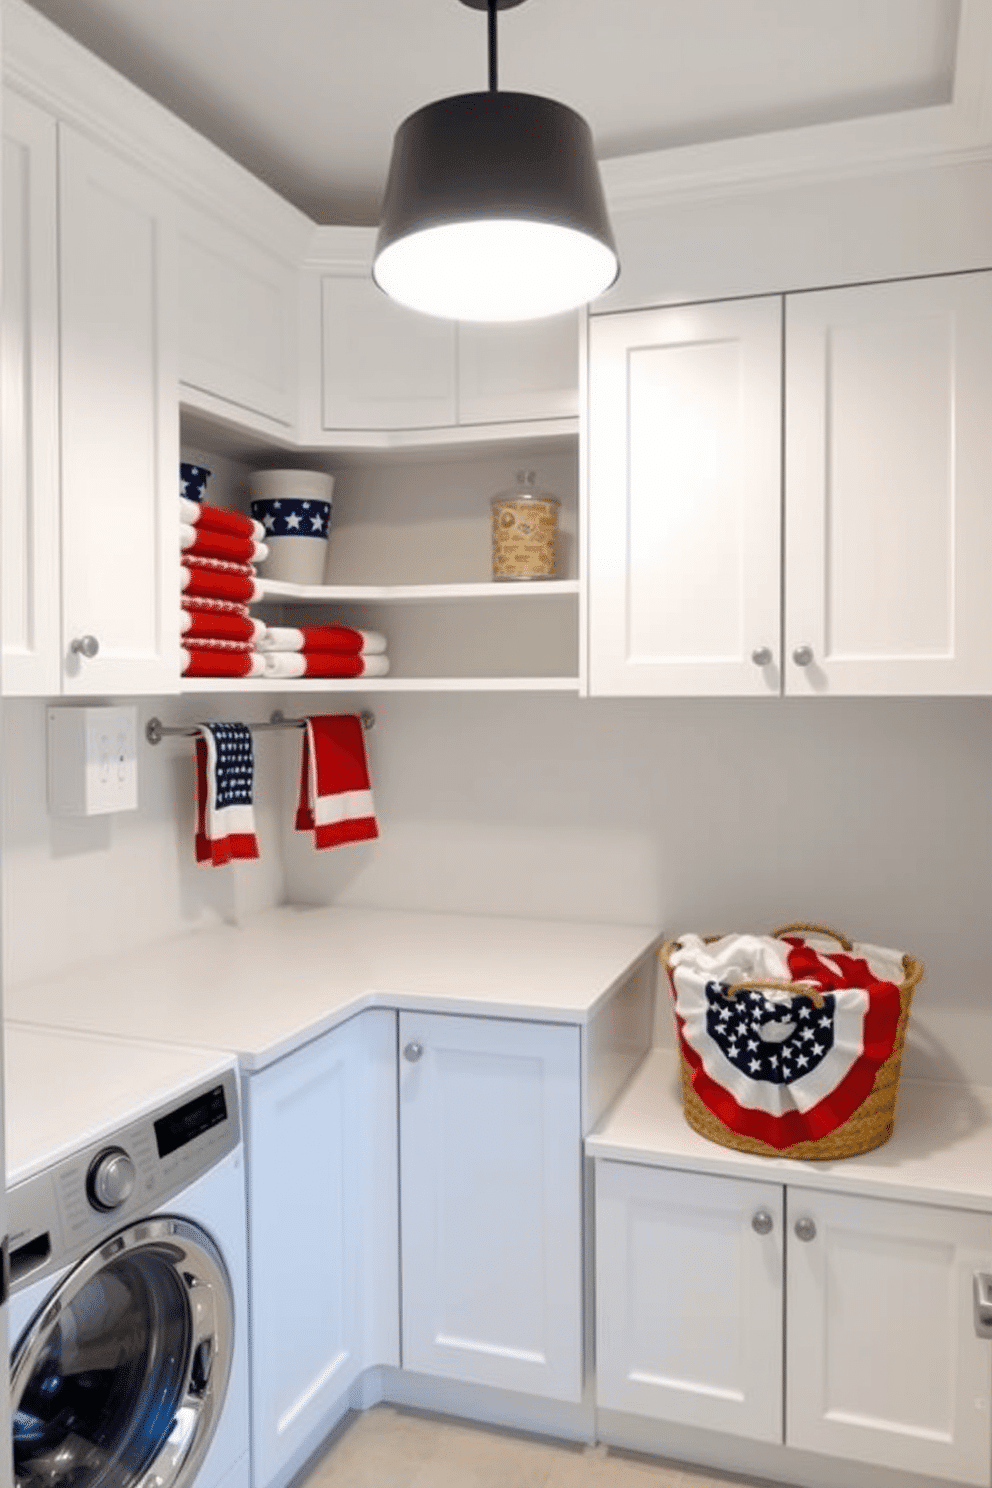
[784,1066]
[291,517]
[225,768]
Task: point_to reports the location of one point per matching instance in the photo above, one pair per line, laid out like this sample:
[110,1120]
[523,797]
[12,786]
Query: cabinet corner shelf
[274,591]
[257,685]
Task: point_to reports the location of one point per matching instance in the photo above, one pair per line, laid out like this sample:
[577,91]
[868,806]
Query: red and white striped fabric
[784,1067]
[335,800]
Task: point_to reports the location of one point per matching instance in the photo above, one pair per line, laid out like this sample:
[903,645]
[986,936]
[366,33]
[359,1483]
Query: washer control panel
[58,1215]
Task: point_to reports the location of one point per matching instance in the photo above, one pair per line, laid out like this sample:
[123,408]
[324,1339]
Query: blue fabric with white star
[233,776]
[767,1040]
[293,518]
[193,481]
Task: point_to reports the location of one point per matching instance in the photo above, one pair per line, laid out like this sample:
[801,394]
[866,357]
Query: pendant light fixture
[493,207]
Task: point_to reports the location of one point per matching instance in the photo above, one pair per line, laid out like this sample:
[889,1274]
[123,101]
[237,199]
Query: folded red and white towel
[213,625]
[205,542]
[220,659]
[219,519]
[323,664]
[201,606]
[335,788]
[225,819]
[212,578]
[337,638]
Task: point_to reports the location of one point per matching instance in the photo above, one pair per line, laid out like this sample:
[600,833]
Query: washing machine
[128,1267]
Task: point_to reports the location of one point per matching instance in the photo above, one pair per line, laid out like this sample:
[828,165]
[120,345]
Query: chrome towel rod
[156,730]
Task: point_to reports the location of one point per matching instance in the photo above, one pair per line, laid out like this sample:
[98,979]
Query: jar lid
[525,490]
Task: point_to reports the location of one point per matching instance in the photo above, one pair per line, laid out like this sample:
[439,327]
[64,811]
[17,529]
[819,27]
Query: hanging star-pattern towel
[335,791]
[225,819]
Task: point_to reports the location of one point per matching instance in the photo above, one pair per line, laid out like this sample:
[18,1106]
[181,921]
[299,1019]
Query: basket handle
[842,940]
[795,989]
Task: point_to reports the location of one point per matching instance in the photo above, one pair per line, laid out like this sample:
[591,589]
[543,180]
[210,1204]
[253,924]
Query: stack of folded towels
[323,651]
[219,551]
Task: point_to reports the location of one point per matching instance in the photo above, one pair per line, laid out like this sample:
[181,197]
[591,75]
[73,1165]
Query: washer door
[119,1378]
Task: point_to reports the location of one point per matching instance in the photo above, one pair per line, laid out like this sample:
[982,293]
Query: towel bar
[156,730]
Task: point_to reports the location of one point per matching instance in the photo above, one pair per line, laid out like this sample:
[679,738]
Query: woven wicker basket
[870,1126]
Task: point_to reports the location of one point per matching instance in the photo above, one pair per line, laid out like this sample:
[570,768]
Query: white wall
[871,815]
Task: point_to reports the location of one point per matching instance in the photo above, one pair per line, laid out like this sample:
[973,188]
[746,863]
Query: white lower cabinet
[322,1234]
[490,1183]
[707,1285]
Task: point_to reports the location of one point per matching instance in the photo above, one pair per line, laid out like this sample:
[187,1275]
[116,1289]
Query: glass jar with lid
[525,531]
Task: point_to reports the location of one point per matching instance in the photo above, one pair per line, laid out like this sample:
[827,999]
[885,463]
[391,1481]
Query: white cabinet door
[490,1186]
[323,1241]
[120,434]
[238,307]
[521,371]
[384,367]
[29,543]
[883,1363]
[689,1298]
[684,500]
[888,519]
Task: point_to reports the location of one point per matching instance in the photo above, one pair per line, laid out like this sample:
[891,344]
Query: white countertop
[264,988]
[63,1091]
[941,1149]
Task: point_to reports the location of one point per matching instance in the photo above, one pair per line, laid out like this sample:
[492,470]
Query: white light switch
[92,760]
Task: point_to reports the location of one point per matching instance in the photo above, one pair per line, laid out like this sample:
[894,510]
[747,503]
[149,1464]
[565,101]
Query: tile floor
[389,1447]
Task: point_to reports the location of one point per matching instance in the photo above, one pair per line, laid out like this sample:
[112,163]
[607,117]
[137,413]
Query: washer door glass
[122,1372]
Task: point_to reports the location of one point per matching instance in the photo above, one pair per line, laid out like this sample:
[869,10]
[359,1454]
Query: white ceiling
[307,93]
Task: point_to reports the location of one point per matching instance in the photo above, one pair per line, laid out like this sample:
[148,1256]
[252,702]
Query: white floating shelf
[378,684]
[275,591]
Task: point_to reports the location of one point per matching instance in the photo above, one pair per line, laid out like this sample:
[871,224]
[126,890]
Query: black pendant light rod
[493,80]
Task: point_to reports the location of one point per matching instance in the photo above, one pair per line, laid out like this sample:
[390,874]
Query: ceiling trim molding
[943,134]
[51,69]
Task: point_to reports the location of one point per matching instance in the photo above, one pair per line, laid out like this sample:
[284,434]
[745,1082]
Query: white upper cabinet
[120,435]
[521,371]
[30,410]
[490,1184]
[887,526]
[888,519]
[685,499]
[238,309]
[383,367]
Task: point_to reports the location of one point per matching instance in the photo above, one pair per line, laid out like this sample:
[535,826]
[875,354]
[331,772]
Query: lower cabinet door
[884,1365]
[689,1298]
[323,1239]
[491,1166]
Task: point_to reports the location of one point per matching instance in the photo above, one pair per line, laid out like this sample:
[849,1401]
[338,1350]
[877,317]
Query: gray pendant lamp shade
[494,210]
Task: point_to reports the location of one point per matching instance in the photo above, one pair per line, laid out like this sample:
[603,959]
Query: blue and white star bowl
[294,507]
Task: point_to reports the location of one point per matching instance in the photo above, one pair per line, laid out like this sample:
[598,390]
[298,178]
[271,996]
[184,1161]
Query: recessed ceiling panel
[308,94]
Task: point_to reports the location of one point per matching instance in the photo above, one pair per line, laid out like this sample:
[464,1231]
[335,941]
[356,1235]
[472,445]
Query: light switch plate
[92,760]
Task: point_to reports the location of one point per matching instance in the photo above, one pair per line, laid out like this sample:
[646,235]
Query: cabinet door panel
[384,367]
[237,319]
[883,1363]
[30,412]
[527,370]
[120,435]
[685,499]
[689,1299]
[323,1233]
[491,1203]
[888,446]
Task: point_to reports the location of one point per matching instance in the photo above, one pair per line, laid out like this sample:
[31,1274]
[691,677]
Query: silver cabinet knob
[110,1181]
[762,656]
[803,655]
[413,1052]
[762,1222]
[805,1229]
[86,645]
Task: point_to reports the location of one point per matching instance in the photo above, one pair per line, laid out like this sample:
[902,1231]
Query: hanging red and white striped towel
[335,789]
